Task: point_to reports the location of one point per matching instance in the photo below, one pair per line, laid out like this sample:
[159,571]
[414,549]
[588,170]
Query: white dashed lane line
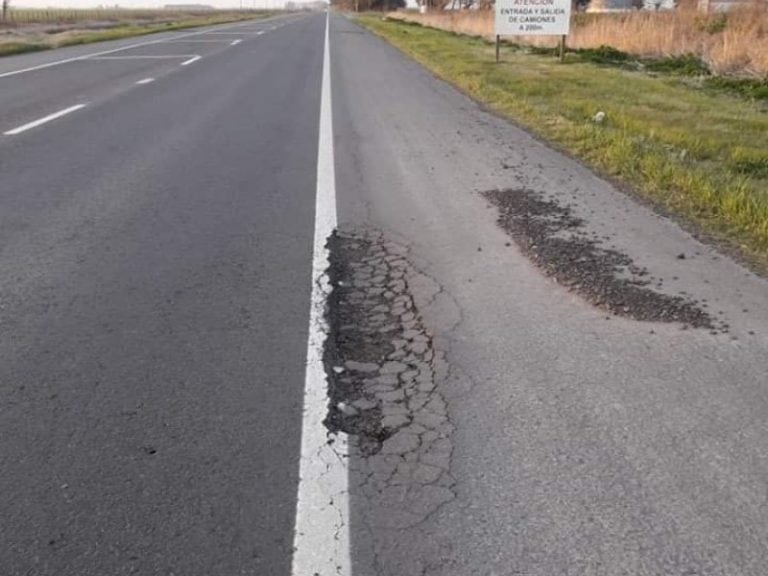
[198,41]
[147,57]
[193,59]
[109,55]
[45,119]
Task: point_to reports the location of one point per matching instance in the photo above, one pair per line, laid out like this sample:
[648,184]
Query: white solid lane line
[193,59]
[260,32]
[321,537]
[40,121]
[145,81]
[235,42]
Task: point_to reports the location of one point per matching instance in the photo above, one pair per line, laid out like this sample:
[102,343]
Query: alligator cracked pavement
[383,372]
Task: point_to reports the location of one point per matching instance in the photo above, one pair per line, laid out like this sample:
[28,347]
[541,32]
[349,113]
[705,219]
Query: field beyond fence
[733,43]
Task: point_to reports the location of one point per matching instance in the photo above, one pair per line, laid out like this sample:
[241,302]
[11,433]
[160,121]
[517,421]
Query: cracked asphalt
[383,371]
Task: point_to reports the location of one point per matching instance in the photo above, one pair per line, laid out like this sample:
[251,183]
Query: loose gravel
[553,238]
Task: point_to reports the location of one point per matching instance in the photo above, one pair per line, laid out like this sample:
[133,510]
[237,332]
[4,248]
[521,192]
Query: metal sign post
[562,48]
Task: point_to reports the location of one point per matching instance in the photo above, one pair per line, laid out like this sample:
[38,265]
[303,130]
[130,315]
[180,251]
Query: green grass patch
[687,65]
[604,55]
[700,154]
[10,48]
[747,87]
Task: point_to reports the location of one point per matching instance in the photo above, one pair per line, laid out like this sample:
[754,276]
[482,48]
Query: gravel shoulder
[584,442]
[696,153]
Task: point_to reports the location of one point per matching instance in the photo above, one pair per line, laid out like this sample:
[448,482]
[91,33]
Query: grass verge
[699,154]
[76,37]
[11,48]
[732,43]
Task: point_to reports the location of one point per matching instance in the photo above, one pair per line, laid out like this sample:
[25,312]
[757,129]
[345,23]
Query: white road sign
[533,17]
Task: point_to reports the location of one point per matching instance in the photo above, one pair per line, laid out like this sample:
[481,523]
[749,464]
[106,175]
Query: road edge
[321,537]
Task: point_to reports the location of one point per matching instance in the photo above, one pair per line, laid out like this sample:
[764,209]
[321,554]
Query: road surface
[159,202]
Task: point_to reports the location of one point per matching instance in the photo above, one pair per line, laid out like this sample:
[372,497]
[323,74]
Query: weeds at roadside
[9,48]
[750,88]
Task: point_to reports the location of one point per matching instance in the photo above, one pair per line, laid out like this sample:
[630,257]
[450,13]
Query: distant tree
[6,5]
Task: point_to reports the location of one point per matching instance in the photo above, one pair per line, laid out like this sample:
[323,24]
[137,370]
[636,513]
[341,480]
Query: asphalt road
[156,253]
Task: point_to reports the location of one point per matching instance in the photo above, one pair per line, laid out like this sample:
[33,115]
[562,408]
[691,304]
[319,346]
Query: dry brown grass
[733,43]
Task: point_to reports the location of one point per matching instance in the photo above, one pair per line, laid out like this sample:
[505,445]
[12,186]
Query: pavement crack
[383,370]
